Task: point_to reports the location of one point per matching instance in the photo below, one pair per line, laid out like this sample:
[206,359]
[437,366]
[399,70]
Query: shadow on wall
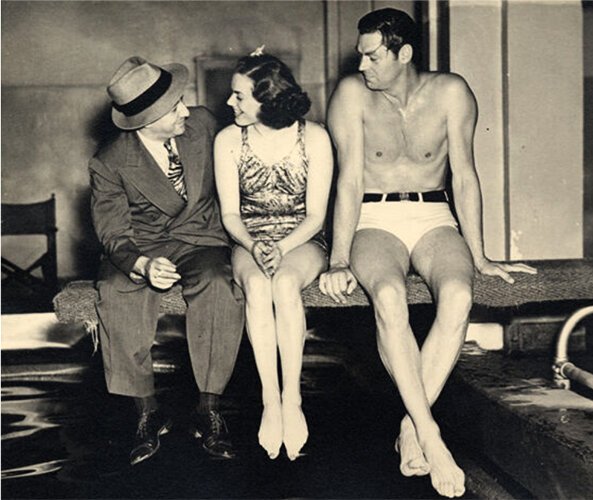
[101,129]
[588,166]
[349,65]
[87,250]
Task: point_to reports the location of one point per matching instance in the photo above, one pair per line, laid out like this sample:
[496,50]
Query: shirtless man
[394,128]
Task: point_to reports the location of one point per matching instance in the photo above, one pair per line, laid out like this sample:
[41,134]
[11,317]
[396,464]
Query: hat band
[148,97]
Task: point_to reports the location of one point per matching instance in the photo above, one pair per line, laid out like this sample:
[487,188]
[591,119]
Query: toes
[423,470]
[272,450]
[293,449]
[408,469]
[459,492]
[270,433]
[296,431]
[452,487]
[460,485]
[405,470]
[413,462]
[445,489]
[272,447]
[418,463]
[293,456]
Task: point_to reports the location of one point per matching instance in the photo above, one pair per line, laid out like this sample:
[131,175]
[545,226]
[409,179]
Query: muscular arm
[319,177]
[346,127]
[461,124]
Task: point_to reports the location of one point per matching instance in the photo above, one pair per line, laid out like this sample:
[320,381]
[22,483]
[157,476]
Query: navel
[378,154]
[428,155]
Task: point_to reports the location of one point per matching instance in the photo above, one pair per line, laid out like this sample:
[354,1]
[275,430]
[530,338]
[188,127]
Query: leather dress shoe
[151,425]
[212,430]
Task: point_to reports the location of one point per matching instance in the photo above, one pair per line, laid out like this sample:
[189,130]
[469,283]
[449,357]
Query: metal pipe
[570,371]
[562,368]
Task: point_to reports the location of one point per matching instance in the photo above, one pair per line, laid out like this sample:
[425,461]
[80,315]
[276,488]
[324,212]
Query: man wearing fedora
[155,212]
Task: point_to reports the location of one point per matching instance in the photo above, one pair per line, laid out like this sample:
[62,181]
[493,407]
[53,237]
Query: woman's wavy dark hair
[281,97]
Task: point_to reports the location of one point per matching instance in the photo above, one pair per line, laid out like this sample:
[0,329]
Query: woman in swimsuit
[273,174]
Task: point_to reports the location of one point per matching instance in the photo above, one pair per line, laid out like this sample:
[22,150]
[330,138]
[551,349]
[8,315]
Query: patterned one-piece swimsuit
[273,196]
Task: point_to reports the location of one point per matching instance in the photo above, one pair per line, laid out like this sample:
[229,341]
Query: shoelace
[217,422]
[143,423]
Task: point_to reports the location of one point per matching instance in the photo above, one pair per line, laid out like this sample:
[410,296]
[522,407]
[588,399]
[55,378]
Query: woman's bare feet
[270,430]
[296,432]
[412,461]
[445,475]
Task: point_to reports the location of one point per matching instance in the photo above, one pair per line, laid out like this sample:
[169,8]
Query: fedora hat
[143,92]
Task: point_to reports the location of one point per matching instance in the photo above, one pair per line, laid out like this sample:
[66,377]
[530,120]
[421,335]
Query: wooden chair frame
[32,219]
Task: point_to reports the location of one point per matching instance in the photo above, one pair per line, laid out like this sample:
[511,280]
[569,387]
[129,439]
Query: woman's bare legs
[297,269]
[262,335]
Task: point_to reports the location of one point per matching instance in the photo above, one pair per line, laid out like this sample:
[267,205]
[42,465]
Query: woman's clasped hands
[267,256]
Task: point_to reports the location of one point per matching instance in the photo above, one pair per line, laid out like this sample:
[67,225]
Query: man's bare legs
[297,269]
[442,258]
[380,262]
[261,330]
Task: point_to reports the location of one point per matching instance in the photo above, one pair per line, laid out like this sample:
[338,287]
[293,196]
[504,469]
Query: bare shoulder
[350,88]
[315,133]
[347,103]
[454,87]
[228,136]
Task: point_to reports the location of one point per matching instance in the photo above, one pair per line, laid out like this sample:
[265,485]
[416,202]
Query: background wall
[588,125]
[545,129]
[475,38]
[524,61]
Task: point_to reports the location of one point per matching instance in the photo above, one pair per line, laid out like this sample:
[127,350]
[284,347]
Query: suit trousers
[128,315]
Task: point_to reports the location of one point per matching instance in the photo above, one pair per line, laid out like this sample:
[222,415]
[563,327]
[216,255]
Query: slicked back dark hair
[396,27]
[282,100]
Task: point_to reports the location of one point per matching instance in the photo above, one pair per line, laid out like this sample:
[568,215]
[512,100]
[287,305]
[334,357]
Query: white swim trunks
[407,220]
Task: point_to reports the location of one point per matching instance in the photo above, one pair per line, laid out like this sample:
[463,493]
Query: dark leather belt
[430,196]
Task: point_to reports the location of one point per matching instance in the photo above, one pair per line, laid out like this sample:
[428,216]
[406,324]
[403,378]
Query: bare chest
[394,135]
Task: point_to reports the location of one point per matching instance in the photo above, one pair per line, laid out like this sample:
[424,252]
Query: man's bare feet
[412,461]
[270,430]
[296,432]
[445,475]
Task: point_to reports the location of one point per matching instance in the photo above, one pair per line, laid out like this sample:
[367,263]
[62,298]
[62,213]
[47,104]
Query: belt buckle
[404,197]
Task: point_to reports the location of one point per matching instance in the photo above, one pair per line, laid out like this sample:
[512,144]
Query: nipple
[427,155]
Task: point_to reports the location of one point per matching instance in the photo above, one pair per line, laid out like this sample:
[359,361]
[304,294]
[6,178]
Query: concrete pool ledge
[507,409]
[38,331]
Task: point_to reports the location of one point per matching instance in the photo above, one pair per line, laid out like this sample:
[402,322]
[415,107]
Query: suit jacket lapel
[191,151]
[142,170]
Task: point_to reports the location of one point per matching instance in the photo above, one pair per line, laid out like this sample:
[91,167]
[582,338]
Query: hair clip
[258,52]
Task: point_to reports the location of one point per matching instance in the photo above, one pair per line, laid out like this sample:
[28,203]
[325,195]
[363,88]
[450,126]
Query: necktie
[175,173]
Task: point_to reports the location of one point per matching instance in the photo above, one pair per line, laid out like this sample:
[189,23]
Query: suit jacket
[135,207]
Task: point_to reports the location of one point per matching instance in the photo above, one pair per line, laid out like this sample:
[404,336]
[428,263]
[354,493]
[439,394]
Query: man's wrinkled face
[170,125]
[378,65]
